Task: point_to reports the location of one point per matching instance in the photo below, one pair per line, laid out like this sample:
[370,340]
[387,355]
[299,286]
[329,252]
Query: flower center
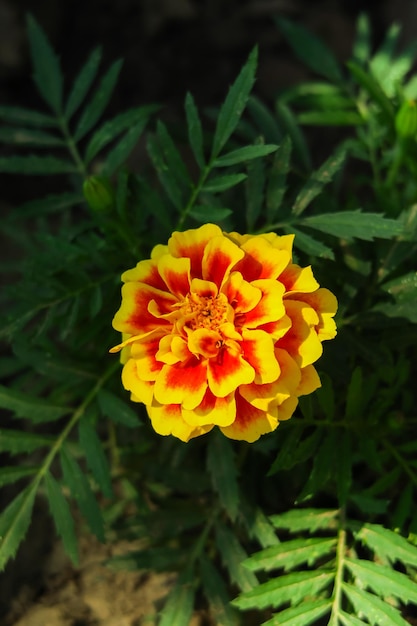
[205,311]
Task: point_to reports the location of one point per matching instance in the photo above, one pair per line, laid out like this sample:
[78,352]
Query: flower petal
[287,408]
[241,295]
[144,352]
[298,279]
[325,305]
[250,423]
[310,381]
[172,349]
[204,342]
[228,371]
[142,390]
[212,410]
[301,341]
[258,350]
[191,244]
[220,255]
[133,316]
[262,260]
[176,274]
[167,420]
[184,383]
[145,272]
[270,307]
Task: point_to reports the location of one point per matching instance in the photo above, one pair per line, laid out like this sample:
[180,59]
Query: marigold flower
[221,329]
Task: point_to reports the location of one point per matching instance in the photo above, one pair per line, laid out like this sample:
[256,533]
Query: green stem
[72,147]
[340,556]
[401,461]
[194,194]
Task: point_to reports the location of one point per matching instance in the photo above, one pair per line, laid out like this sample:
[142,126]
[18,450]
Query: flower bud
[406,119]
[99,193]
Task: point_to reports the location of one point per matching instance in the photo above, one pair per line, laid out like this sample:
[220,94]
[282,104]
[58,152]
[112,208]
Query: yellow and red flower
[221,329]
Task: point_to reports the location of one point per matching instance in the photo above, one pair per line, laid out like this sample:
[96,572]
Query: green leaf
[247,153]
[26,117]
[218,599]
[213,214]
[292,588]
[259,527]
[291,128]
[303,615]
[112,128]
[14,522]
[118,155]
[9,475]
[62,516]
[94,109]
[311,50]
[221,465]
[306,519]
[402,288]
[232,555]
[309,245]
[159,559]
[29,137]
[277,177]
[47,72]
[362,45]
[221,183]
[354,396]
[172,157]
[195,131]
[166,177]
[17,442]
[387,544]
[254,192]
[31,407]
[350,620]
[375,610]
[406,309]
[179,607]
[38,165]
[264,120]
[94,453]
[370,85]
[290,554]
[330,118]
[117,410]
[317,181]
[49,204]
[234,104]
[384,581]
[346,224]
[80,489]
[83,83]
[344,466]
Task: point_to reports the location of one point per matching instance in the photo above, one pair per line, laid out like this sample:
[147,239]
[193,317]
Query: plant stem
[194,194]
[72,147]
[340,555]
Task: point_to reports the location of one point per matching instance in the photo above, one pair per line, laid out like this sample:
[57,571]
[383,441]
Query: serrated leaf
[234,104]
[354,396]
[264,120]
[289,554]
[47,72]
[195,131]
[309,245]
[118,155]
[292,588]
[94,453]
[350,620]
[384,581]
[233,555]
[403,508]
[117,410]
[172,157]
[406,309]
[49,204]
[213,214]
[62,516]
[83,83]
[311,50]
[29,137]
[247,153]
[277,177]
[94,109]
[221,183]
[347,224]
[166,178]
[254,192]
[80,489]
[14,522]
[402,288]
[17,442]
[9,475]
[324,466]
[387,544]
[303,615]
[215,591]
[26,117]
[37,165]
[112,128]
[179,607]
[330,118]
[375,610]
[317,181]
[305,519]
[344,466]
[30,407]
[371,86]
[222,467]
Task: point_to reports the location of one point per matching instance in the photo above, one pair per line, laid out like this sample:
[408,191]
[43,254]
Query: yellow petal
[250,423]
[184,383]
[228,371]
[212,410]
[191,244]
[220,256]
[167,420]
[141,389]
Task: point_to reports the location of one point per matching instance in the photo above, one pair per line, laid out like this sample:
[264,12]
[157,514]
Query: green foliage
[315,524]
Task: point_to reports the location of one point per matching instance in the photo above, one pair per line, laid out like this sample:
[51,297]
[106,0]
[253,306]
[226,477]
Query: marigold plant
[222,329]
